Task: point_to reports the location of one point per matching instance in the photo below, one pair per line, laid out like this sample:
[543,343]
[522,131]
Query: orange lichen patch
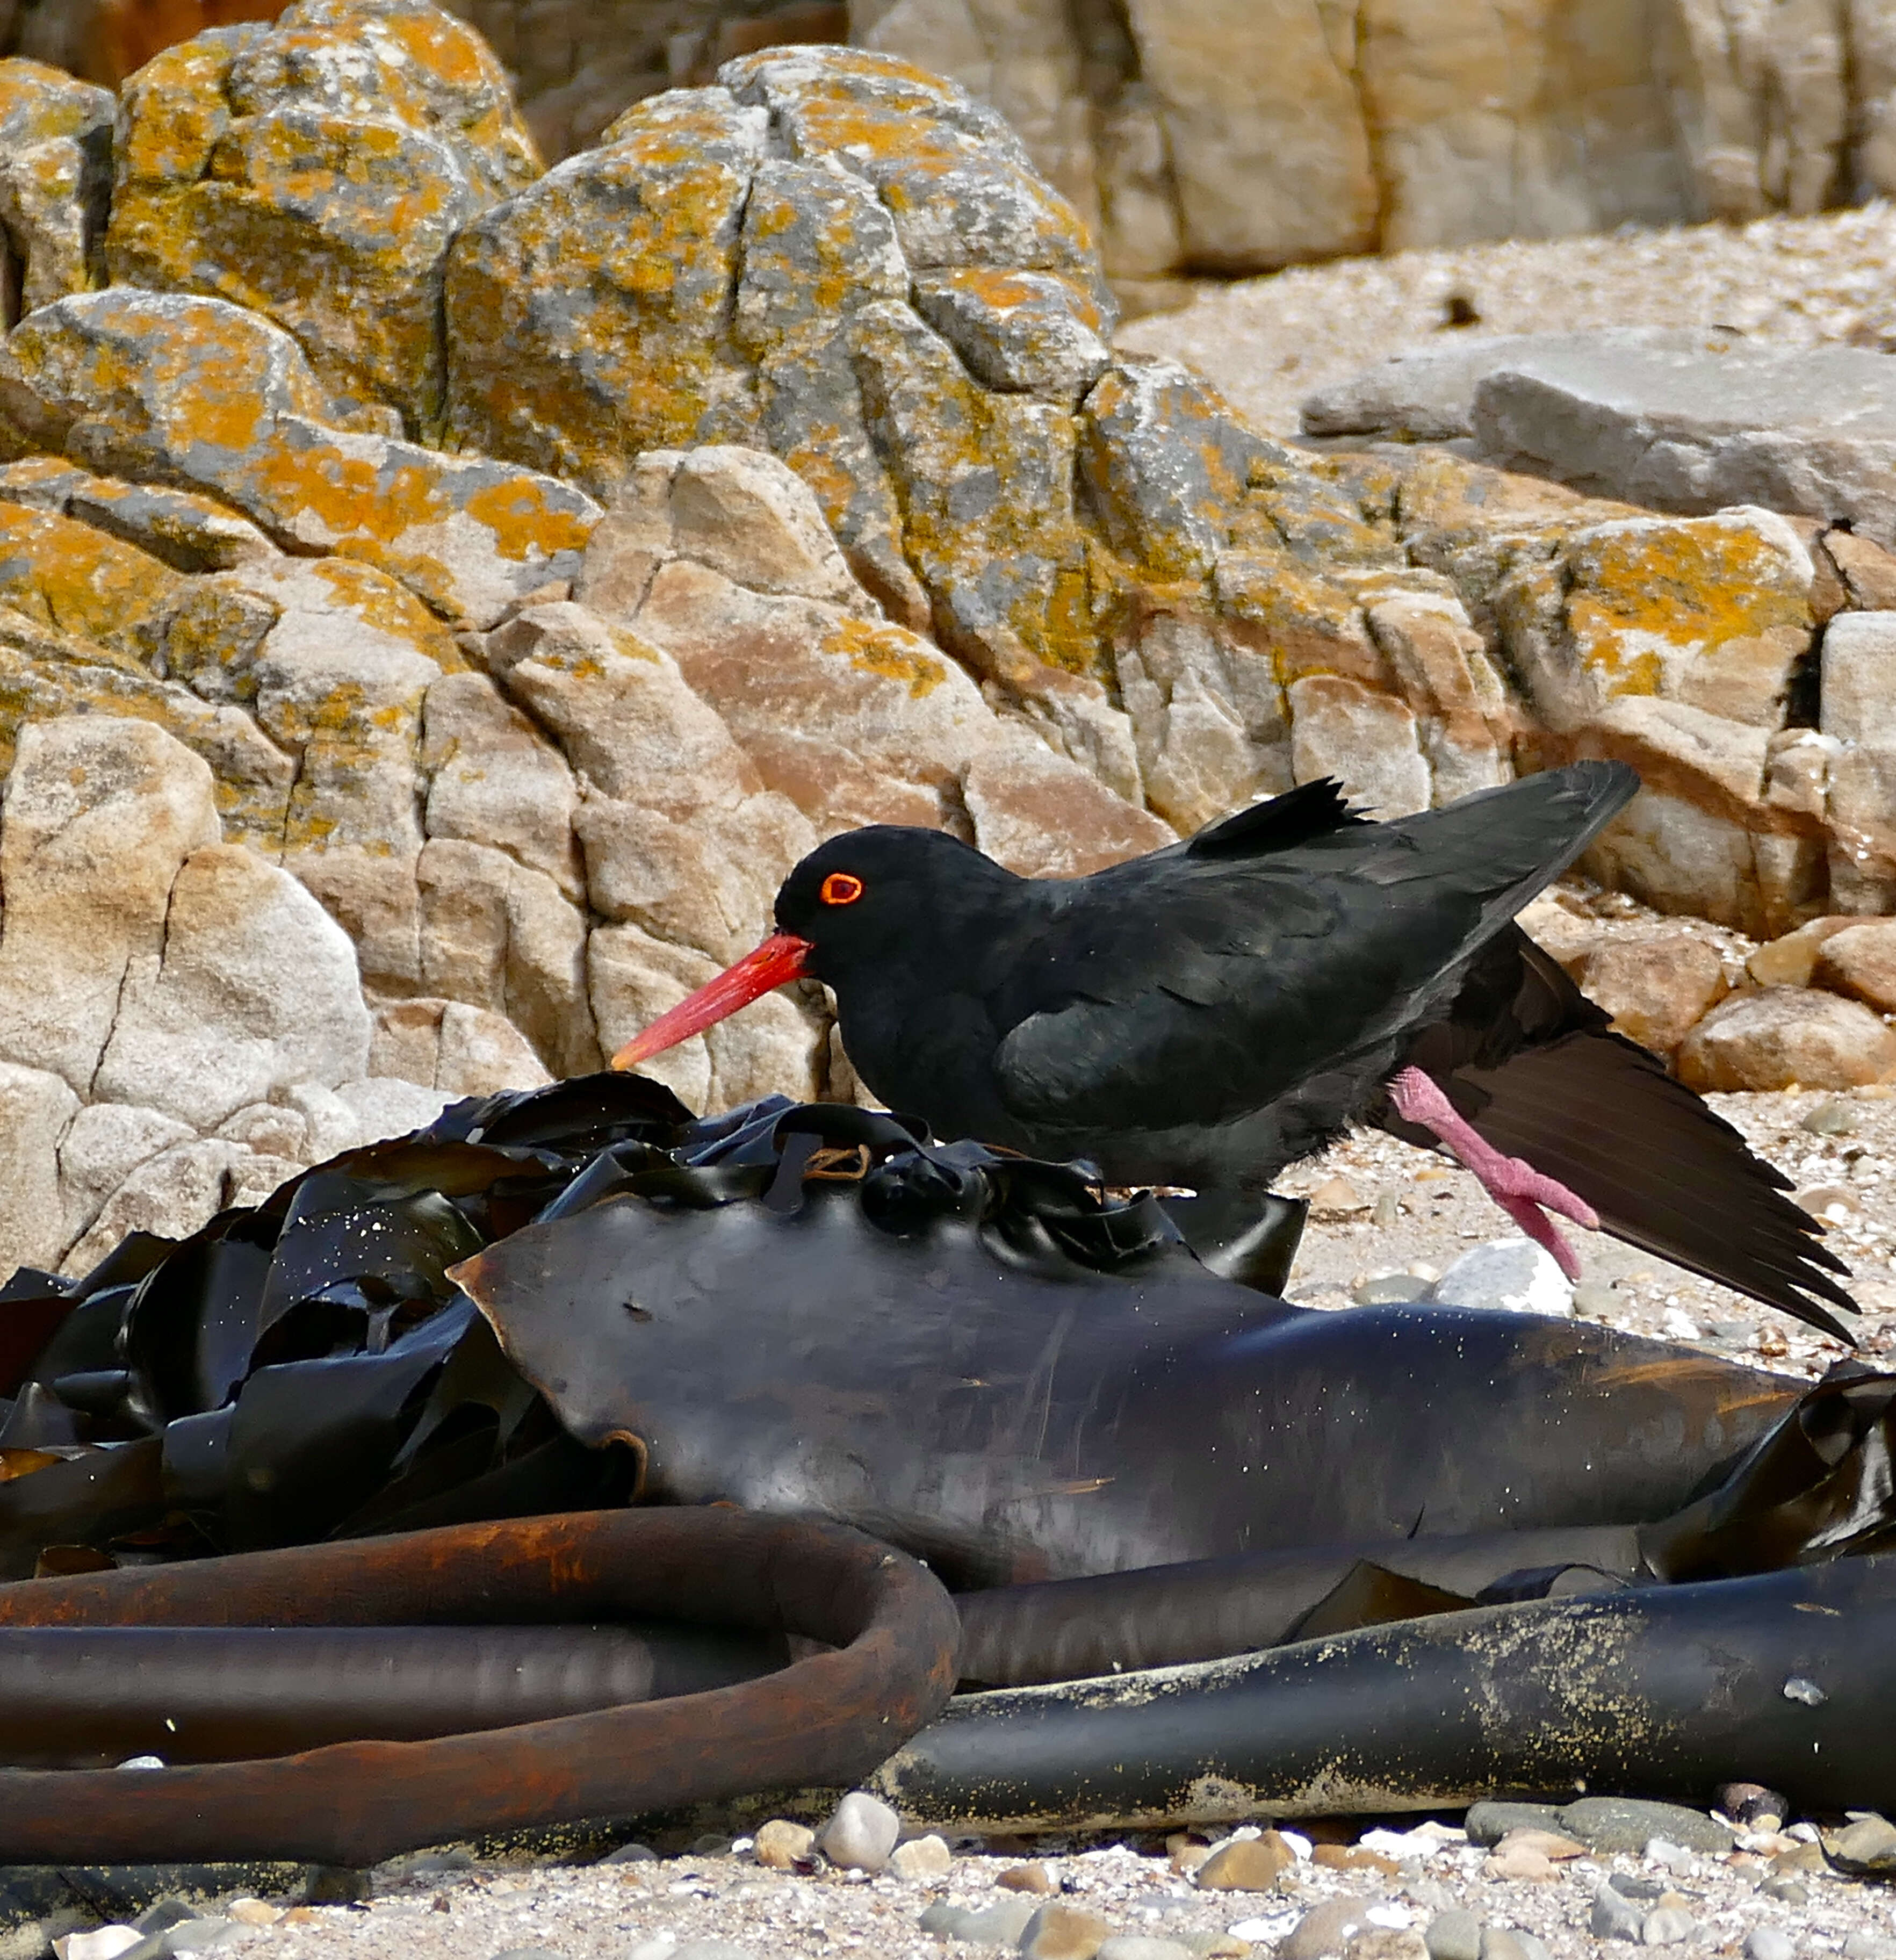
[887,651]
[329,493]
[843,68]
[1008,291]
[586,316]
[174,111]
[523,524]
[380,602]
[81,581]
[1644,592]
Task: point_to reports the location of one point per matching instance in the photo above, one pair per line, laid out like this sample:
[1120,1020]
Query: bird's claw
[1524,1193]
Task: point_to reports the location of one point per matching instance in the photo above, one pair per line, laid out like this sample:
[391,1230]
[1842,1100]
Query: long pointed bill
[779,959]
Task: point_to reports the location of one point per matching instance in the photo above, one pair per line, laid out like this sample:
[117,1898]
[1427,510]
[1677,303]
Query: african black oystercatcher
[1207,1014]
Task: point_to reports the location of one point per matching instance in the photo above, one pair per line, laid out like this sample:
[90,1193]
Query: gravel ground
[1267,343]
[636,1911]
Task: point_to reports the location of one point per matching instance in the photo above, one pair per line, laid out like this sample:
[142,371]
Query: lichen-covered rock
[314,172]
[202,394]
[55,172]
[181,529]
[1713,612]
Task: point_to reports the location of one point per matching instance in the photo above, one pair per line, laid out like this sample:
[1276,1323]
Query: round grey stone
[1630,1823]
[1327,1928]
[1001,1924]
[1454,1935]
[1614,1916]
[1767,1942]
[861,1834]
[1489,1823]
[1667,1926]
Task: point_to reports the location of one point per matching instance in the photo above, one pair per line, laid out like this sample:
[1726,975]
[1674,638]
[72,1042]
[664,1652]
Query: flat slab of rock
[1697,422]
[1426,393]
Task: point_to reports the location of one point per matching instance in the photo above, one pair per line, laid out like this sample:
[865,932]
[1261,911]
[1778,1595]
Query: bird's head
[866,900]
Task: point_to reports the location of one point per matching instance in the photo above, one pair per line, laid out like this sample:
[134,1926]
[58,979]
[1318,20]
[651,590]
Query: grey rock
[1614,1916]
[1629,1885]
[1504,1942]
[1868,1844]
[1666,1927]
[1513,1275]
[1454,1935]
[1489,1823]
[1426,393]
[1388,1289]
[1001,1924]
[861,1834]
[1866,1946]
[631,1854]
[1676,426]
[1630,1823]
[1326,1928]
[1786,1891]
[1768,1942]
[200,1936]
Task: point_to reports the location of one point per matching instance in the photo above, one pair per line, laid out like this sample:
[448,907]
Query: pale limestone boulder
[1657,990]
[493,778]
[1672,854]
[1208,720]
[1043,817]
[1859,962]
[503,937]
[620,709]
[255,987]
[37,1109]
[171,1195]
[1270,149]
[1790,960]
[1464,720]
[450,1046]
[104,1144]
[774,1045]
[1783,1037]
[56,173]
[1368,741]
[99,817]
[386,1105]
[1858,658]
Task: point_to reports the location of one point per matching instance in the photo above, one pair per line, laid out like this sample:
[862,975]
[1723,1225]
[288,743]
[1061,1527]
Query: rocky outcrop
[1241,136]
[181,1023]
[764,472]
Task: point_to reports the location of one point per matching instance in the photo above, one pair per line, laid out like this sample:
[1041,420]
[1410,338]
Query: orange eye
[841,888]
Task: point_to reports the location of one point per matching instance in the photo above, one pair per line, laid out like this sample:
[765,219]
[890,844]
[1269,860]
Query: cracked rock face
[440,600]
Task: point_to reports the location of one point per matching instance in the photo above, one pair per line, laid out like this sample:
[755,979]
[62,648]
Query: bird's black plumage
[1208,1014]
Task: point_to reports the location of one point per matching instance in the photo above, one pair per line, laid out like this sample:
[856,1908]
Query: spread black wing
[1534,1065]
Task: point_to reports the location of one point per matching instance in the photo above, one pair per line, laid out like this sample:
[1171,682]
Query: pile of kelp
[494,1475]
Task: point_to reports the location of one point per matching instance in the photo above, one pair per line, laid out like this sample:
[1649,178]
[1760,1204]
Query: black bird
[1211,1013]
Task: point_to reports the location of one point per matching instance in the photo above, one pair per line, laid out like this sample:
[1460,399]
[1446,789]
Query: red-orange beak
[779,959]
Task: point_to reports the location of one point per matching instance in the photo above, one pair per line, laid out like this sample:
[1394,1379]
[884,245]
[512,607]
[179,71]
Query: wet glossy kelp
[582,1297]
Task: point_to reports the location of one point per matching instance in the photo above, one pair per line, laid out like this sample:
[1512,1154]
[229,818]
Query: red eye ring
[841,888]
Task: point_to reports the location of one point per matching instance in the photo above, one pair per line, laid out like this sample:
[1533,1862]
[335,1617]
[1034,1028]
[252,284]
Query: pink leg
[1517,1187]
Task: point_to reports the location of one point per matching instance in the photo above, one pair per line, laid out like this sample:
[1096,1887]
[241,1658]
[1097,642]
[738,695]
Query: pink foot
[1516,1186]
